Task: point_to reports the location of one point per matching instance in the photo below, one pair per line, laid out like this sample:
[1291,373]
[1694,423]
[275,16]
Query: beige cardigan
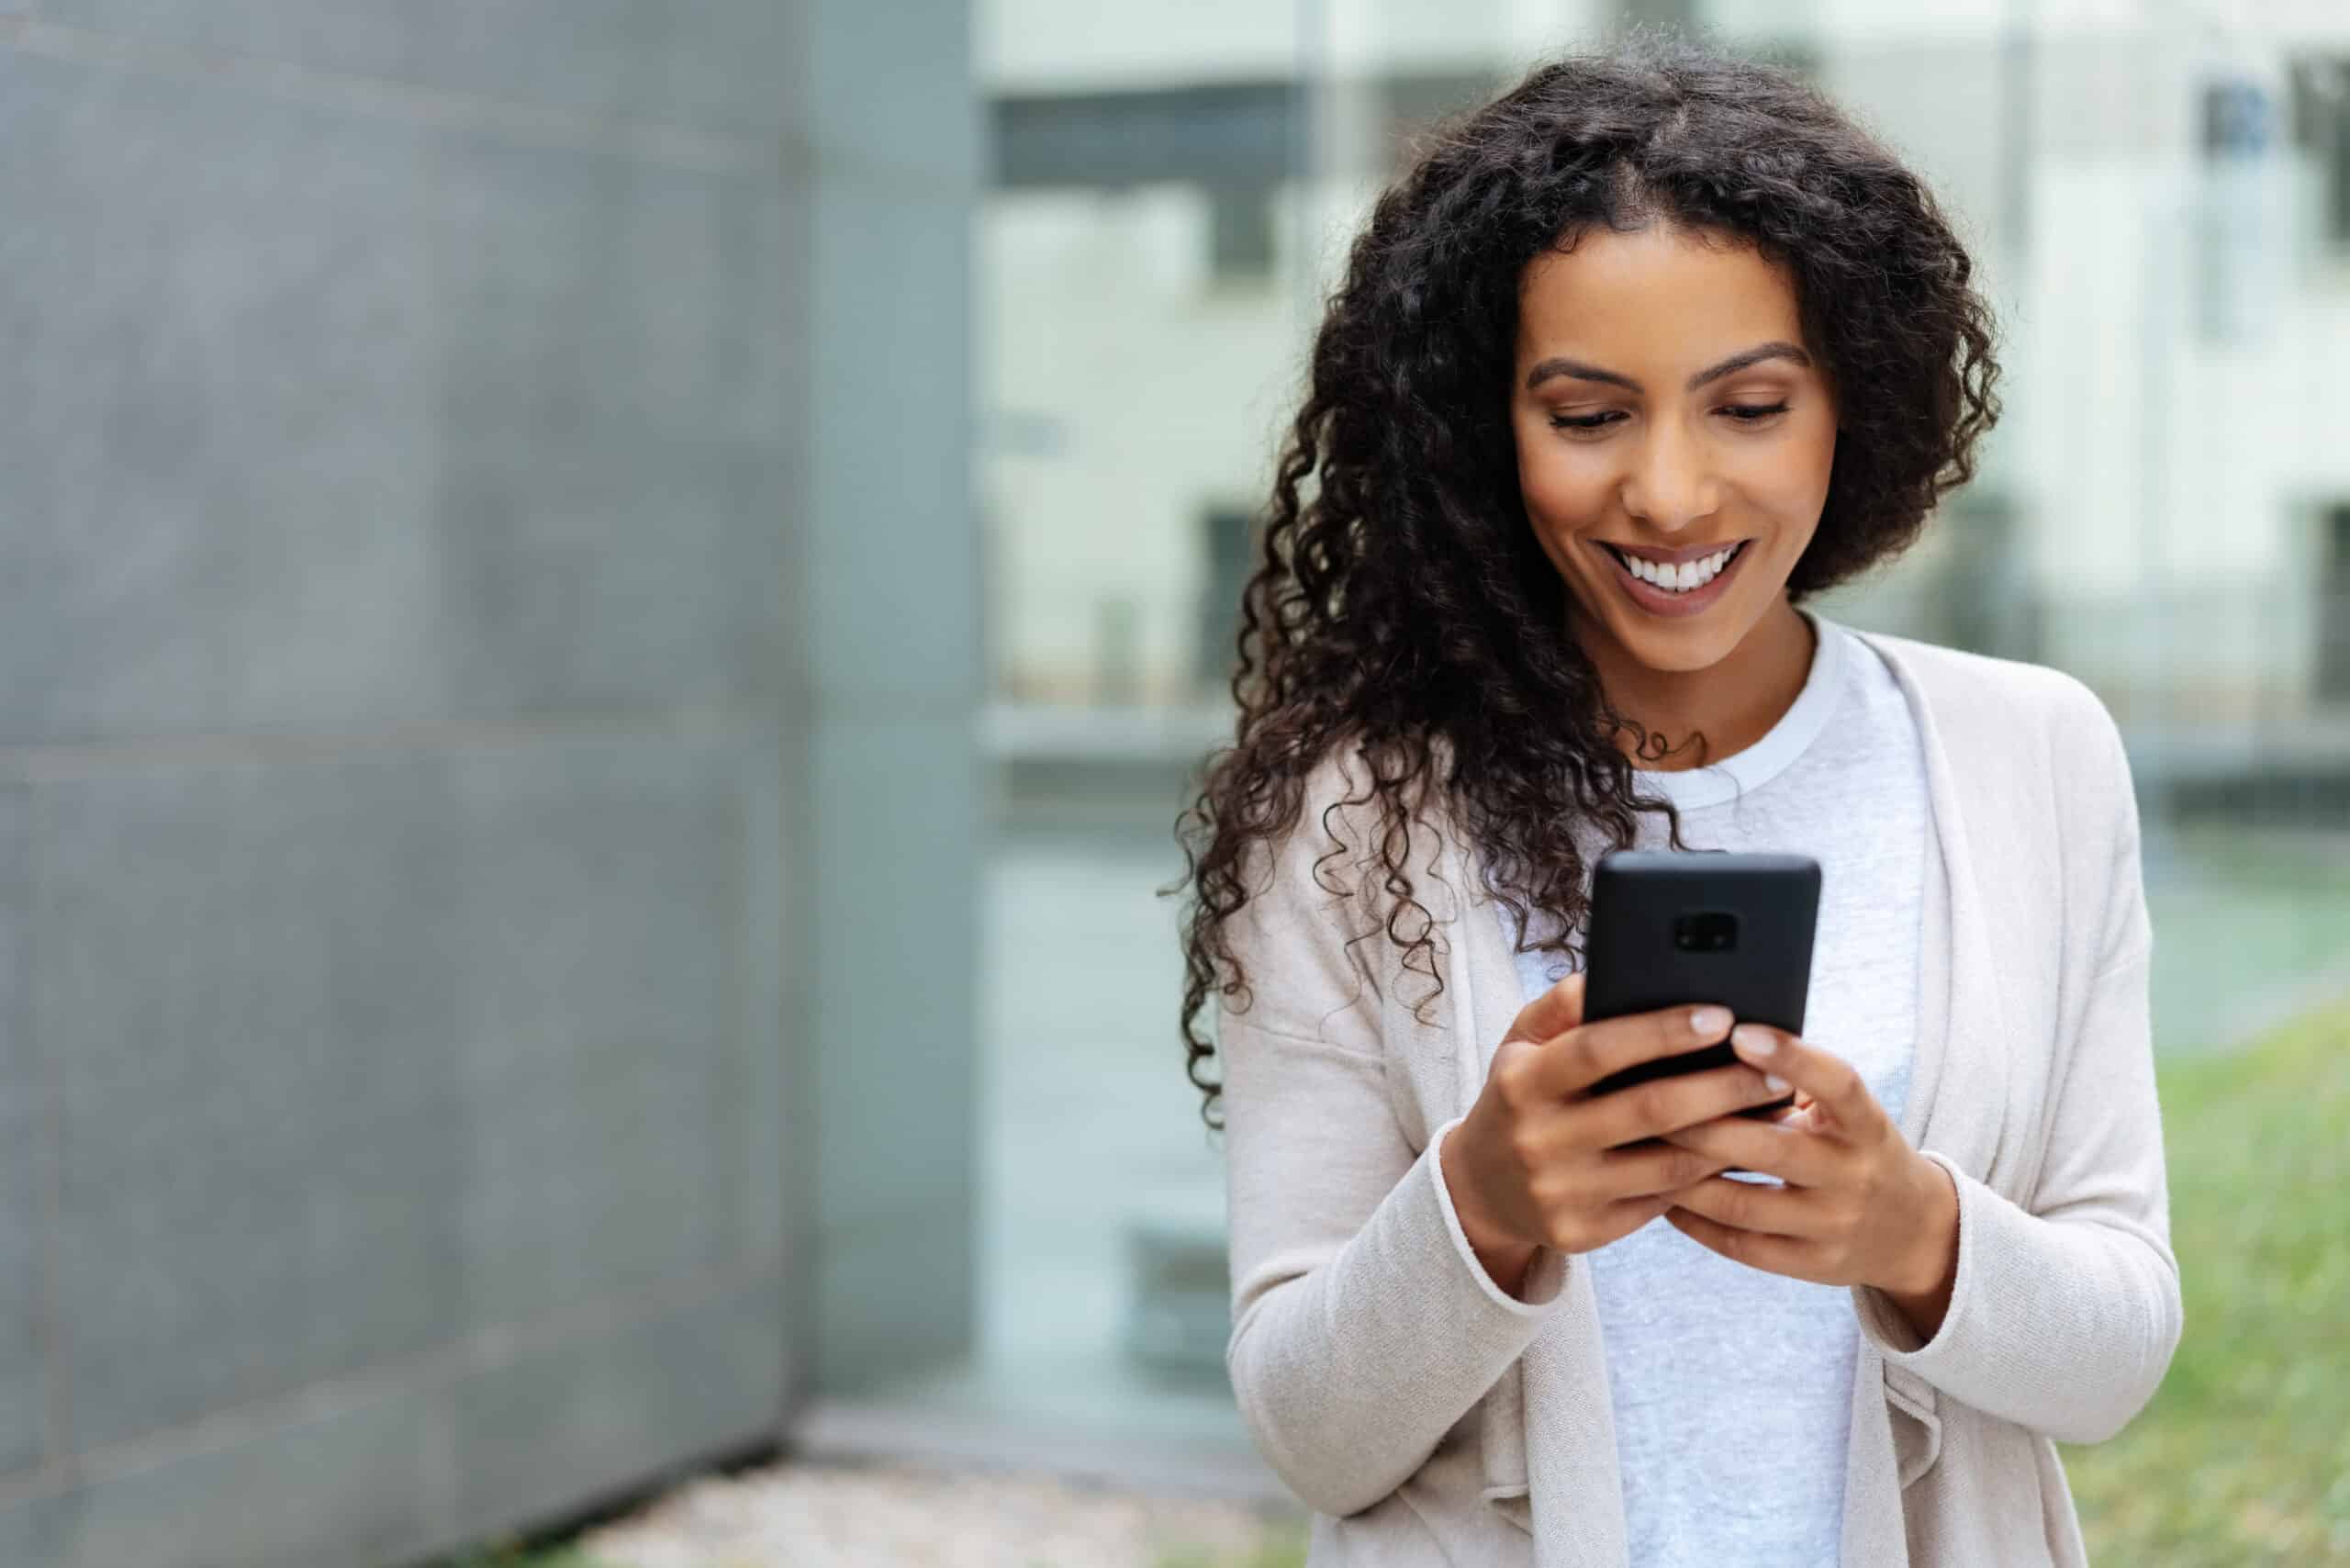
[1385,1376]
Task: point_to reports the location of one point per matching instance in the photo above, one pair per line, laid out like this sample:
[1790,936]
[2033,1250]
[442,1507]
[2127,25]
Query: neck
[1732,704]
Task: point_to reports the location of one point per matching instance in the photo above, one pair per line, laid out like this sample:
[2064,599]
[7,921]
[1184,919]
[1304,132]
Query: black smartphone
[1672,929]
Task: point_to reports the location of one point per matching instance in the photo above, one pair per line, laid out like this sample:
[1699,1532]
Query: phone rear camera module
[1708,931]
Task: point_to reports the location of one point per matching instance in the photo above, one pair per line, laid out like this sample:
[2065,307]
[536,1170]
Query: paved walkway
[806,1516]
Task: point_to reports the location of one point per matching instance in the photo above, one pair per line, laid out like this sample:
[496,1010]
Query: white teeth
[1687,576]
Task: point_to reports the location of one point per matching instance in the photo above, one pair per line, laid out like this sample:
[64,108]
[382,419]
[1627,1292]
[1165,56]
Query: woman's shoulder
[1357,826]
[2028,741]
[1971,690]
[1342,788]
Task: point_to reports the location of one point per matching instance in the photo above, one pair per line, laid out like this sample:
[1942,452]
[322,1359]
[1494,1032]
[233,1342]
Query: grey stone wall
[457,543]
[891,807]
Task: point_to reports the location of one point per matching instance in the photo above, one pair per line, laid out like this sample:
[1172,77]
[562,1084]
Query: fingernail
[1709,1021]
[1774,1084]
[1753,1043]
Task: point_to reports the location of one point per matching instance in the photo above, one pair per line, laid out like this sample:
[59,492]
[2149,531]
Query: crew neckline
[1743,772]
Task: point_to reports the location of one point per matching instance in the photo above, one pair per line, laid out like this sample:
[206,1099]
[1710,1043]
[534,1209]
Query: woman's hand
[1860,1207]
[1537,1162]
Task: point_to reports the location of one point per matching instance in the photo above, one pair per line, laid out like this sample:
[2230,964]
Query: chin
[1684,651]
[1698,643]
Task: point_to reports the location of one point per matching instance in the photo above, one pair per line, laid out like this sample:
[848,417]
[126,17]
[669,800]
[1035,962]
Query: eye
[1739,413]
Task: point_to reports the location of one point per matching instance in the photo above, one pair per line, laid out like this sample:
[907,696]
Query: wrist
[1923,1288]
[1484,1236]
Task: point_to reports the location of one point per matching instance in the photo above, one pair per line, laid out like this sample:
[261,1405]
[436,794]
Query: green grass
[1282,1546]
[2242,1457]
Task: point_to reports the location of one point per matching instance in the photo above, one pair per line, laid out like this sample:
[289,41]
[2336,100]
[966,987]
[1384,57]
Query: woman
[1638,357]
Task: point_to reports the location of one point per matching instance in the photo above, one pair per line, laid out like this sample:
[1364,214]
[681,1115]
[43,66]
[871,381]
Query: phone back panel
[1673,929]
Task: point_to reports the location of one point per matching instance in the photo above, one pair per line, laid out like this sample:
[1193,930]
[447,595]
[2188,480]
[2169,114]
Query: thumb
[1554,1012]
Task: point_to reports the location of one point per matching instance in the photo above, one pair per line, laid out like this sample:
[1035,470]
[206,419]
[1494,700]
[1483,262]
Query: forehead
[1660,296]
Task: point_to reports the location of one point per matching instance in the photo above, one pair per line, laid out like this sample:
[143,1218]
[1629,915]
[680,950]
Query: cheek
[1788,481]
[1558,488]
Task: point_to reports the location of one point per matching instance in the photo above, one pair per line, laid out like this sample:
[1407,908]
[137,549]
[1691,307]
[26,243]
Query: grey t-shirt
[1731,1386]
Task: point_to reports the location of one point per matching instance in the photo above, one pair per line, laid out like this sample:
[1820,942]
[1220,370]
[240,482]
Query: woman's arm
[2064,1312]
[2064,1315]
[1364,1325]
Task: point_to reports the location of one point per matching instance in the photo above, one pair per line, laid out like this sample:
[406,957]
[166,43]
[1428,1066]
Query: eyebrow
[1730,366]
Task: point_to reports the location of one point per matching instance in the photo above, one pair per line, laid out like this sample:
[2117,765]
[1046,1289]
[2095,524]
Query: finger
[1593,1051]
[1628,1214]
[1638,1114]
[1659,1169]
[1554,1012]
[1751,1206]
[1833,1084]
[1773,1254]
[1797,1155]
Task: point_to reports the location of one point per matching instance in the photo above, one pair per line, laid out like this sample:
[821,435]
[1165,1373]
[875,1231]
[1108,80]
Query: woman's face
[1663,405]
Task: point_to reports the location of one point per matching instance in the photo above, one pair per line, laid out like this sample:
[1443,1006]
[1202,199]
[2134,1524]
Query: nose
[1671,482]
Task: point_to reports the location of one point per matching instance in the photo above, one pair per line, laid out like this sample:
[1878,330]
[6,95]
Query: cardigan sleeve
[2064,1310]
[1363,1326]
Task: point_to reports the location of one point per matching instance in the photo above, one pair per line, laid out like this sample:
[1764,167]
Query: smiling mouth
[1736,549]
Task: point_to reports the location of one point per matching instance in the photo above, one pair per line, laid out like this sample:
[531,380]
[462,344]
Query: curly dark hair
[1403,611]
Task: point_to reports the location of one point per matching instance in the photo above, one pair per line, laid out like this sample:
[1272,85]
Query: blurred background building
[609,607]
